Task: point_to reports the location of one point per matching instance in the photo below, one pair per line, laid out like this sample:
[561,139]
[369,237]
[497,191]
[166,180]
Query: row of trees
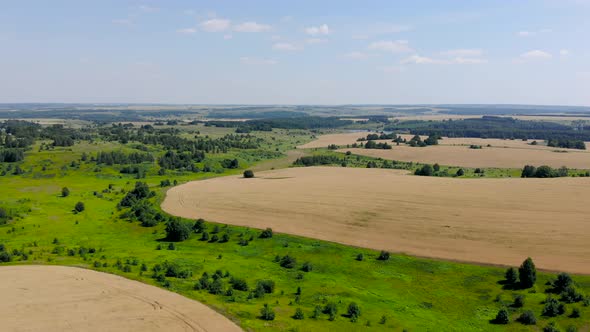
[530,171]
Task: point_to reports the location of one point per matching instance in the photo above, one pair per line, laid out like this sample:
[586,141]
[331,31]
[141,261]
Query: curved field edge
[86,300]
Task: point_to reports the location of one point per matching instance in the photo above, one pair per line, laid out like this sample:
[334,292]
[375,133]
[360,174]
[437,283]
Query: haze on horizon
[305,52]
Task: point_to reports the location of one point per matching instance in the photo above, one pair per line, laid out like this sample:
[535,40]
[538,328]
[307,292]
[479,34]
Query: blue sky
[296,52]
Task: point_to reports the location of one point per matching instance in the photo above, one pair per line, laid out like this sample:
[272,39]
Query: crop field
[101,301]
[492,221]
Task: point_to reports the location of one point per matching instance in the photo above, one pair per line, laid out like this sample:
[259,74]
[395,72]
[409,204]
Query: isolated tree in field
[502,317]
[383,256]
[176,230]
[436,167]
[266,234]
[298,314]
[248,174]
[511,276]
[562,282]
[267,313]
[79,207]
[353,312]
[65,192]
[527,273]
[288,262]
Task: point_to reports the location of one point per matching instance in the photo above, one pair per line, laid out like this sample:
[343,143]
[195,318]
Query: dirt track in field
[496,221]
[60,298]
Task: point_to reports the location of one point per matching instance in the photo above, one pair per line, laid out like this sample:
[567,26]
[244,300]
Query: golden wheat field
[60,298]
[495,221]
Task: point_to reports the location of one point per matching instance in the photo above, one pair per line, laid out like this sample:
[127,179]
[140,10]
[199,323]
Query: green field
[400,293]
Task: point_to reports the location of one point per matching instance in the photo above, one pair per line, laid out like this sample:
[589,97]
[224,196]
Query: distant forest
[496,127]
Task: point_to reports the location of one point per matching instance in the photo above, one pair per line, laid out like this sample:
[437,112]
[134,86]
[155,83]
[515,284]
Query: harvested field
[339,139]
[496,221]
[486,157]
[59,298]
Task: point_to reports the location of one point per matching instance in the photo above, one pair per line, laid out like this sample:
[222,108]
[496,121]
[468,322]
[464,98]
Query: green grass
[412,293]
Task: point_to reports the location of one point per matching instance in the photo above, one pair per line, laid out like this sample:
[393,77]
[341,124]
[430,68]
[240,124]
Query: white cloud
[536,54]
[251,27]
[285,47]
[320,30]
[315,40]
[257,61]
[398,46]
[463,52]
[524,33]
[357,55]
[422,60]
[564,52]
[187,31]
[227,36]
[215,25]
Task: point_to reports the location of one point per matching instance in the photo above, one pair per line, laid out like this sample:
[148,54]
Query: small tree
[360,257]
[353,312]
[511,276]
[65,192]
[383,256]
[460,172]
[288,262]
[79,207]
[298,314]
[562,282]
[528,318]
[307,267]
[502,317]
[267,313]
[176,230]
[518,301]
[331,309]
[575,313]
[248,174]
[527,273]
[199,225]
[266,234]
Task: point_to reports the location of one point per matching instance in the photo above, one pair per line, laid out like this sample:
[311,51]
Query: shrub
[199,225]
[383,256]
[65,192]
[353,312]
[79,207]
[502,317]
[550,328]
[266,313]
[317,311]
[518,301]
[266,234]
[216,287]
[249,174]
[214,238]
[511,276]
[331,309]
[224,238]
[239,284]
[205,236]
[425,170]
[562,282]
[268,286]
[177,230]
[5,257]
[460,172]
[575,313]
[288,262]
[360,257]
[527,273]
[298,314]
[552,308]
[571,295]
[528,318]
[307,267]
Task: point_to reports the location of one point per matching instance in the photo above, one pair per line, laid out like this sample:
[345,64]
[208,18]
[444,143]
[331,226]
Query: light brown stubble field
[492,221]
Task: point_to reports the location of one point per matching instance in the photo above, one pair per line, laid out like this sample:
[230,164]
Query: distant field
[456,152]
[59,298]
[495,221]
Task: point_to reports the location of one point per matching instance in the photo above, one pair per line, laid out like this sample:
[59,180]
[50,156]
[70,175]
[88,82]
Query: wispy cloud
[251,27]
[536,54]
[215,25]
[391,69]
[529,33]
[564,52]
[422,60]
[319,30]
[285,47]
[187,31]
[147,9]
[315,40]
[257,61]
[397,46]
